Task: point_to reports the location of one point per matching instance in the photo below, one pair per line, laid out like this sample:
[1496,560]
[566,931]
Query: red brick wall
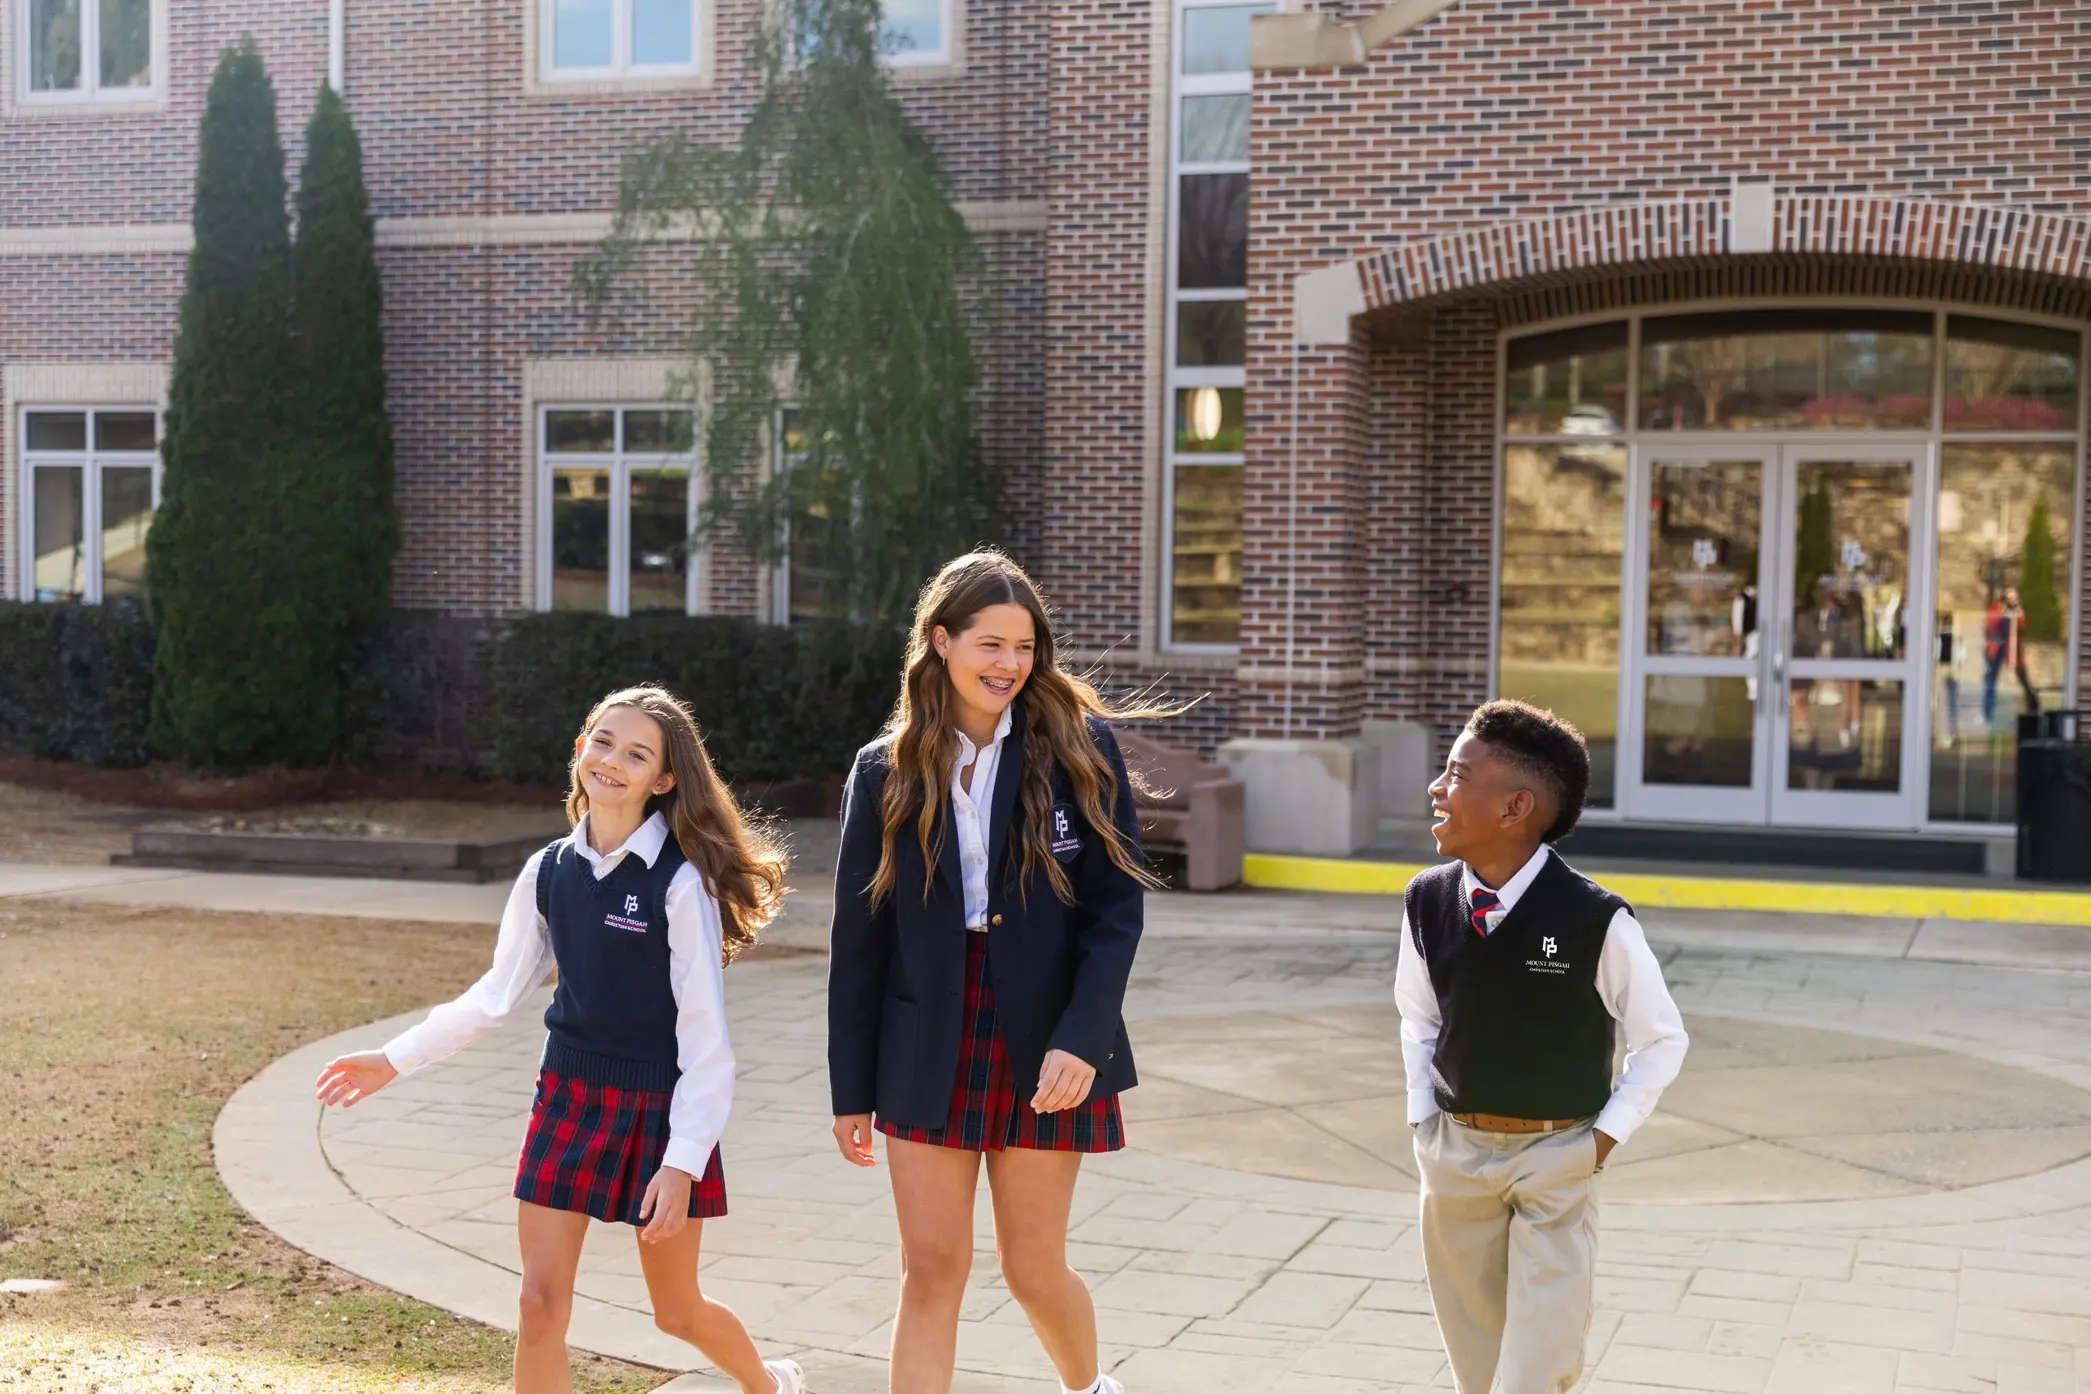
[1500,111]
[449,129]
[1102,412]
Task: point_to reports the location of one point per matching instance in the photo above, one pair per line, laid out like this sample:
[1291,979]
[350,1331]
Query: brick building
[1712,372]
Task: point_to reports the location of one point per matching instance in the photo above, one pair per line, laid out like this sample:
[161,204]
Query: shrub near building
[436,694]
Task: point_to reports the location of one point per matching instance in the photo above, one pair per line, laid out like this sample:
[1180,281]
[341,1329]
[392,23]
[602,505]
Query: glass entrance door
[1847,676]
[1770,676]
[1695,748]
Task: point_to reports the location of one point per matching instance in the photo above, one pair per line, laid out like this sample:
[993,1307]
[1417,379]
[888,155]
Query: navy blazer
[896,975]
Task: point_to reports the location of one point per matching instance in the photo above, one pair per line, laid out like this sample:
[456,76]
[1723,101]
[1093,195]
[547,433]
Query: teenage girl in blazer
[987,907]
[659,885]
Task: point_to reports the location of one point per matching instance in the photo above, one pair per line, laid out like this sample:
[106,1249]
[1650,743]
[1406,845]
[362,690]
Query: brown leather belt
[1496,1123]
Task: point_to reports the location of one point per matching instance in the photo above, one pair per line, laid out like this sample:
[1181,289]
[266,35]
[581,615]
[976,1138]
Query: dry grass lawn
[122,1033]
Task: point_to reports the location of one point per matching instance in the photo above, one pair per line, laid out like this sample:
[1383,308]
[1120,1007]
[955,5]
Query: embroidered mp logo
[1548,946]
[629,921]
[631,907]
[1065,844]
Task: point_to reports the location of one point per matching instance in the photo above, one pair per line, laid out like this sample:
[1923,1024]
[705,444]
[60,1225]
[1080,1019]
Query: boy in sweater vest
[1515,975]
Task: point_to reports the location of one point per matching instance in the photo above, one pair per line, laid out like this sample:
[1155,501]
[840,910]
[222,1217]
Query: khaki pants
[1509,1241]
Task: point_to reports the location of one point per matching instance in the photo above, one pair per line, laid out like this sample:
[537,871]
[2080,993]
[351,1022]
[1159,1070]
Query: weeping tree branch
[830,263]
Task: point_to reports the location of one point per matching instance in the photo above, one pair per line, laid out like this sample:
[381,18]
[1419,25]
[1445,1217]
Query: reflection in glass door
[1698,752]
[1848,677]
[1771,674]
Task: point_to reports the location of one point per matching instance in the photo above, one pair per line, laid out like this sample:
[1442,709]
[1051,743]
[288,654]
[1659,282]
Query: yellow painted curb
[2012,906]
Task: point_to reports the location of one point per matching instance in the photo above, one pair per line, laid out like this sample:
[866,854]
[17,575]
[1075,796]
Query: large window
[917,33]
[810,576]
[92,479]
[1207,321]
[2001,646]
[1988,411]
[618,510]
[84,50]
[1767,370]
[595,40]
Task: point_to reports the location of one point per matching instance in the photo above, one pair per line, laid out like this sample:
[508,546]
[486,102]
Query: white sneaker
[790,1378]
[1106,1385]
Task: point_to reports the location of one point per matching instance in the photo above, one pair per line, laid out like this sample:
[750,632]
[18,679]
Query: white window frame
[90,92]
[943,56]
[1230,84]
[621,67]
[620,464]
[90,462]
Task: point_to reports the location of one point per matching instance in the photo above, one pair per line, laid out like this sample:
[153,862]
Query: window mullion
[620,523]
[90,51]
[689,543]
[91,521]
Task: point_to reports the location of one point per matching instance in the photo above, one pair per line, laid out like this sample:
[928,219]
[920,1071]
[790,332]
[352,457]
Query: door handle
[1779,653]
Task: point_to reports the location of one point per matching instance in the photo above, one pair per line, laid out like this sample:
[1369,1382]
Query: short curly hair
[1545,748]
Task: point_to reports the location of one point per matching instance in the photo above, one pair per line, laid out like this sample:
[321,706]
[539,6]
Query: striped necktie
[1485,900]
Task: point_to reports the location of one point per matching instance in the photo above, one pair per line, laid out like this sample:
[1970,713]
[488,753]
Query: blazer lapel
[1009,781]
[947,844]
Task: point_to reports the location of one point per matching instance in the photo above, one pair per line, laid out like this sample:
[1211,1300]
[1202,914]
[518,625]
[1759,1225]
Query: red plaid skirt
[593,1147]
[986,1115]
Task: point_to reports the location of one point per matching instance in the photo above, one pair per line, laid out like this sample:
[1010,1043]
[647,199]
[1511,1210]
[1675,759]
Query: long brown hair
[742,866]
[924,740]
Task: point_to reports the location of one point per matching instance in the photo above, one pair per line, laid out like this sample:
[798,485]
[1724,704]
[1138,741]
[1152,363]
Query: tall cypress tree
[346,460]
[2036,578]
[237,656]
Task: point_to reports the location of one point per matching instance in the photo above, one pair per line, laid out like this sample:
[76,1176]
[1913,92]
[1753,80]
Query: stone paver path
[1875,1178]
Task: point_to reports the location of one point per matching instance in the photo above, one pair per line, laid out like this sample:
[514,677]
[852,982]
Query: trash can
[2054,796]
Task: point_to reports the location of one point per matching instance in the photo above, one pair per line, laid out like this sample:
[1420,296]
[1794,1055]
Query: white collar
[1513,890]
[645,843]
[967,750]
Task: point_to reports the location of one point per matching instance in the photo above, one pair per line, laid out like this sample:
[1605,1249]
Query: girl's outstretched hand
[666,1205]
[853,1136]
[350,1078]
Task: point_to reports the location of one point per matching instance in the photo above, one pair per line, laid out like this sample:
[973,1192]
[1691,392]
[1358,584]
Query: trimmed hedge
[76,682]
[773,703]
[481,698]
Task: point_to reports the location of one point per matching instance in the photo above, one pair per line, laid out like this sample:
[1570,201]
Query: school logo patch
[629,921]
[1065,845]
[1551,965]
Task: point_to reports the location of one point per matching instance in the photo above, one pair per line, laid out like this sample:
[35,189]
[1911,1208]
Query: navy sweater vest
[1523,1032]
[612,1018]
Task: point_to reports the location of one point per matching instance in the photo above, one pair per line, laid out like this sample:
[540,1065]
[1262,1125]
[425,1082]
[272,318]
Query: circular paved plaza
[1872,1176]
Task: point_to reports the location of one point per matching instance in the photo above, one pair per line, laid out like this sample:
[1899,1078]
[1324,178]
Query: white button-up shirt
[1629,982]
[696,975]
[971,810]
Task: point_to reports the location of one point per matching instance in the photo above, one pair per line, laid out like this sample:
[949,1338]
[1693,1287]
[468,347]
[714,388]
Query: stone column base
[1307,797]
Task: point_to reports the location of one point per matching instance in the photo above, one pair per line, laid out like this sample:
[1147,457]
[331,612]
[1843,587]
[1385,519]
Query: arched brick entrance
[1370,493]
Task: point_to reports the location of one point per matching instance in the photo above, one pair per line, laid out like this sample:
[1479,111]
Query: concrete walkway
[1874,1176]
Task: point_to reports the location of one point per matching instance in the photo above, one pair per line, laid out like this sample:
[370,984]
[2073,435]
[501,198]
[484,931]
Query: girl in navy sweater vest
[660,884]
[987,907]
